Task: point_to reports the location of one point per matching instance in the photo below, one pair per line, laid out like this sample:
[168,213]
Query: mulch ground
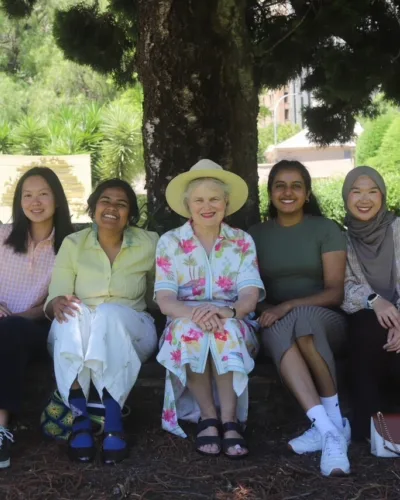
[162,466]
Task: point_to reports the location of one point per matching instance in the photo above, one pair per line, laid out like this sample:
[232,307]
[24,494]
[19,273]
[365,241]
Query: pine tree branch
[290,33]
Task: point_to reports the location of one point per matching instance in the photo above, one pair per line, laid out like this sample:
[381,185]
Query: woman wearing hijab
[372,291]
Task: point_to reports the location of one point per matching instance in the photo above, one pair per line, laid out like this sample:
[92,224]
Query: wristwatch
[371,299]
[233,310]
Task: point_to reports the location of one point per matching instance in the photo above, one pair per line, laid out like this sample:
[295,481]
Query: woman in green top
[302,258]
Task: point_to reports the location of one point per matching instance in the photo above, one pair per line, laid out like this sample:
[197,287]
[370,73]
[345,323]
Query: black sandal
[229,442]
[82,455]
[111,457]
[204,440]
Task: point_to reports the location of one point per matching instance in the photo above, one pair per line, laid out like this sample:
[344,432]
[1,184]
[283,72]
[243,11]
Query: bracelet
[233,310]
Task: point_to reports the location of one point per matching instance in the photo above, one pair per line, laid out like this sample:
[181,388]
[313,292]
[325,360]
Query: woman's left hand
[393,341]
[274,314]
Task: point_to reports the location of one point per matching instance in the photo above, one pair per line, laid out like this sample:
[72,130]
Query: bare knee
[306,343]
[205,375]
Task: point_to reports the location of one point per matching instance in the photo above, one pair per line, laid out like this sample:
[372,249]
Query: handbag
[385,435]
[56,419]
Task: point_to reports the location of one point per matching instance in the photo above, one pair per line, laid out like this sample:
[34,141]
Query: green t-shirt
[290,258]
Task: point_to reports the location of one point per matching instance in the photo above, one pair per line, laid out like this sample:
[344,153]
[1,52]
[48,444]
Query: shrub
[264,200]
[329,194]
[6,142]
[122,146]
[30,136]
[387,159]
[371,139]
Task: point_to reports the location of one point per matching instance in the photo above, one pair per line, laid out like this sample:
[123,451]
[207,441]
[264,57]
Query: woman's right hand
[63,305]
[387,314]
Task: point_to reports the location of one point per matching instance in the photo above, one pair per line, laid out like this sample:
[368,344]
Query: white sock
[320,419]
[332,409]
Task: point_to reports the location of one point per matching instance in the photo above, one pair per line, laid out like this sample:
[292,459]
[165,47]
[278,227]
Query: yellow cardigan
[83,269]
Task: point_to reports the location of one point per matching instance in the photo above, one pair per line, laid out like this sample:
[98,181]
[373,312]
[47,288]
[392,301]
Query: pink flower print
[168,337]
[192,335]
[169,416]
[197,291]
[201,282]
[221,336]
[218,246]
[164,263]
[187,246]
[224,358]
[243,245]
[176,356]
[225,283]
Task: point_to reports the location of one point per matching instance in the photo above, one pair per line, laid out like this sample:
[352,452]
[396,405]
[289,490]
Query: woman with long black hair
[302,258]
[28,246]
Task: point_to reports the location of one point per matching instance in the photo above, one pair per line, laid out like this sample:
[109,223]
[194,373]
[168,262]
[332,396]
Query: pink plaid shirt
[25,278]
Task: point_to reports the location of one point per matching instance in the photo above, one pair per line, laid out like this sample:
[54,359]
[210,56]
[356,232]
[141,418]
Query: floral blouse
[183,266]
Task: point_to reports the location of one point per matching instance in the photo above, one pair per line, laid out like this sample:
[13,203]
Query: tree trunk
[200,99]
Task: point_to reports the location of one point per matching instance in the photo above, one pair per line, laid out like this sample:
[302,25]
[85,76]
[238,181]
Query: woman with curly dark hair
[101,331]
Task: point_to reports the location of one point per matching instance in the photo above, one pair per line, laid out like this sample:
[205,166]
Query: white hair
[197,182]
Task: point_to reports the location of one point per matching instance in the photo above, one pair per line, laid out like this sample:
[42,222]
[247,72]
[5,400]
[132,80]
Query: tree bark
[200,98]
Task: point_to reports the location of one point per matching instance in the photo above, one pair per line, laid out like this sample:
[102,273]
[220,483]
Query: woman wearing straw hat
[208,285]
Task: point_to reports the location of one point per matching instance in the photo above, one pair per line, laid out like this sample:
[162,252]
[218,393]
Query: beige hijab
[373,240]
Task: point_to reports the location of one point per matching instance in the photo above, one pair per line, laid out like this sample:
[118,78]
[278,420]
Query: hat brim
[238,189]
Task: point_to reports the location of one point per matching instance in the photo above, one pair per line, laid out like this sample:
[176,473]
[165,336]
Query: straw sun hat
[238,190]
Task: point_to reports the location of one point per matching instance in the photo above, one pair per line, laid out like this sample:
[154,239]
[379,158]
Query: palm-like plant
[30,136]
[74,131]
[6,142]
[122,146]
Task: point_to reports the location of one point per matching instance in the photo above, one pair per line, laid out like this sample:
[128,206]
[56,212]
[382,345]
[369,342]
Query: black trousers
[371,370]
[21,341]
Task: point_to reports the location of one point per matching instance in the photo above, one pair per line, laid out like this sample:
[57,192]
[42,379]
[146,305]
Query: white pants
[107,345]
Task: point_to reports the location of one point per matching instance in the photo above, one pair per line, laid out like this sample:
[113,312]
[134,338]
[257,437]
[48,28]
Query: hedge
[371,139]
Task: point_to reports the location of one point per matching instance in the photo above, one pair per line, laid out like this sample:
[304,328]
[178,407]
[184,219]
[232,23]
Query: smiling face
[112,210]
[207,204]
[288,192]
[37,200]
[365,199]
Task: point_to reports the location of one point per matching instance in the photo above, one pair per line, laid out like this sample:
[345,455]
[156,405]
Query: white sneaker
[334,461]
[311,440]
[308,442]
